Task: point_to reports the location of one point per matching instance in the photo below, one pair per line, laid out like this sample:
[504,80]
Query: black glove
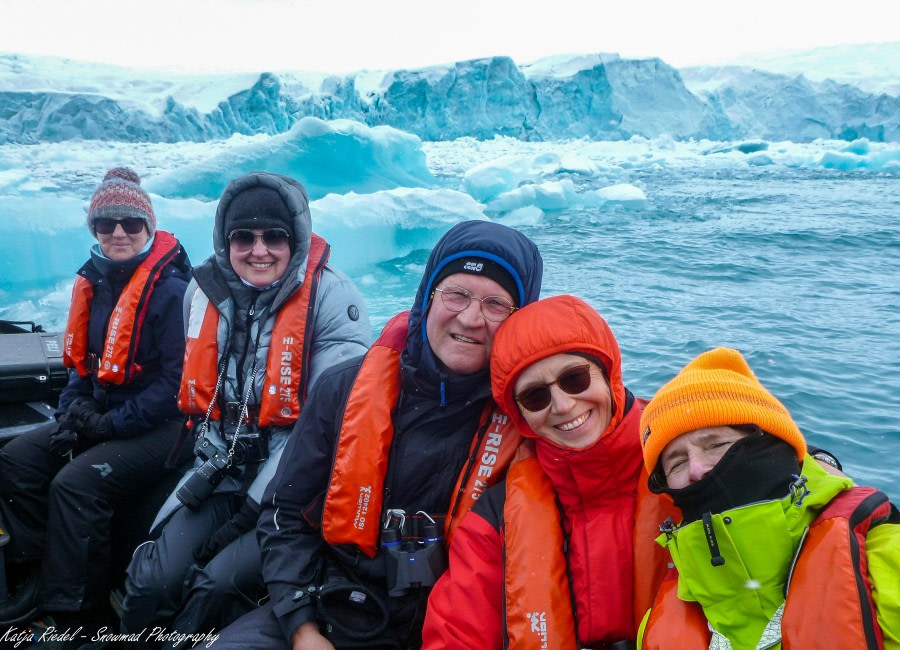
[89,422]
[83,404]
[243,520]
[63,437]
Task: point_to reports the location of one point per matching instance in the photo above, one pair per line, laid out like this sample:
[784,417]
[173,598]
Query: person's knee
[73,489]
[21,456]
[146,588]
[145,573]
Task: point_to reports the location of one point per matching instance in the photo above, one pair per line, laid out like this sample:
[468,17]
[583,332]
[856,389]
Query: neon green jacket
[741,598]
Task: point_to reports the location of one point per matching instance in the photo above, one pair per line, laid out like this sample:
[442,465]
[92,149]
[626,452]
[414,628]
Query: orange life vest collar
[538,601]
[354,500]
[817,605]
[115,364]
[287,364]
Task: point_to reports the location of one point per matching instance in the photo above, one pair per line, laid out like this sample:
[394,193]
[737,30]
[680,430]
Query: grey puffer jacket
[340,330]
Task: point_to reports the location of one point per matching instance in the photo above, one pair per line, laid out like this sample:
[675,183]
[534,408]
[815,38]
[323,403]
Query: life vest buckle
[233,411]
[92,363]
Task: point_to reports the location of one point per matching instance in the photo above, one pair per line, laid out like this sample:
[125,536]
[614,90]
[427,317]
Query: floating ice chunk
[504,174]
[843,161]
[338,156]
[530,215]
[624,195]
[577,164]
[366,229]
[552,195]
[860,147]
[743,147]
[759,160]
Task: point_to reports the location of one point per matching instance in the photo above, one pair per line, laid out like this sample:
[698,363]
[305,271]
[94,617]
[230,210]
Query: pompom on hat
[715,389]
[121,195]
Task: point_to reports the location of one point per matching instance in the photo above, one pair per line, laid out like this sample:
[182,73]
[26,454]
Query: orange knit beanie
[715,389]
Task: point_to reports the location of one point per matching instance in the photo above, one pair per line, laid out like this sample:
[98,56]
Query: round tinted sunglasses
[275,239]
[572,381]
[106,225]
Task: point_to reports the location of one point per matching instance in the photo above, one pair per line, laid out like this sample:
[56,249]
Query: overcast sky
[344,36]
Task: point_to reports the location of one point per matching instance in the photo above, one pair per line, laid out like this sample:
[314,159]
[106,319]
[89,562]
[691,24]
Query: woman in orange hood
[560,555]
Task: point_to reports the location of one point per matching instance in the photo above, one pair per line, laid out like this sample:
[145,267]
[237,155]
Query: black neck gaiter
[757,468]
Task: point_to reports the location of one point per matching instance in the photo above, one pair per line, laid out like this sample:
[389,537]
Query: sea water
[798,267]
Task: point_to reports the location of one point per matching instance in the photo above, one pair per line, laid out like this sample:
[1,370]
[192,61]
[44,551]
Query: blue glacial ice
[601,97]
[337,156]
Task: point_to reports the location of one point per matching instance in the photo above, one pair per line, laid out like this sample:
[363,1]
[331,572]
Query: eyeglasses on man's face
[494,308]
[243,240]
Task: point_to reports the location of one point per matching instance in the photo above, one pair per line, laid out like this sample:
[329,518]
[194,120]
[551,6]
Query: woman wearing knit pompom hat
[117,418]
[761,519]
[120,196]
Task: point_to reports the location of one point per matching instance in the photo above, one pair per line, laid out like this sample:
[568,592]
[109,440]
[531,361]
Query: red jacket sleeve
[465,609]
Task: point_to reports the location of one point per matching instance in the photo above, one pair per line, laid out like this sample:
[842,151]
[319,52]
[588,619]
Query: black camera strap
[244,411]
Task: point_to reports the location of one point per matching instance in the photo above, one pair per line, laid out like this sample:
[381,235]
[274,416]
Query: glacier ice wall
[774,106]
[600,97]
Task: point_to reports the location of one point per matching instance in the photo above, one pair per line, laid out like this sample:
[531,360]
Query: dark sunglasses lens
[536,398]
[132,225]
[575,381]
[106,226]
[275,239]
[242,239]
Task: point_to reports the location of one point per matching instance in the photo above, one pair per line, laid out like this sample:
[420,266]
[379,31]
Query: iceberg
[337,156]
[43,212]
[594,96]
[772,106]
[388,225]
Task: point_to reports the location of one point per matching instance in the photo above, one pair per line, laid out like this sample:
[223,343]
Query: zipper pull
[799,491]
[667,528]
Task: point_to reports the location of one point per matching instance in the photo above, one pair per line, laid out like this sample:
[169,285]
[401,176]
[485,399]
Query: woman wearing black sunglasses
[268,315]
[560,555]
[117,418]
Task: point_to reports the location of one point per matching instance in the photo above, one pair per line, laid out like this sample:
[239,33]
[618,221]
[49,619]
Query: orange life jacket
[353,503]
[829,595]
[538,601]
[115,364]
[287,363]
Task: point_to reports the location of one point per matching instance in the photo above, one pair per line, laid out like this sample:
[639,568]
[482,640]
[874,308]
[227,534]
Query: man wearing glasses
[392,451]
[268,314]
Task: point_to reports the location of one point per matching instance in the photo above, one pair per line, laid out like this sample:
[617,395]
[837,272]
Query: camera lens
[202,482]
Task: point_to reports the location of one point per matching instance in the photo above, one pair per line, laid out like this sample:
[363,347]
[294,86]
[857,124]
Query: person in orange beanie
[772,551]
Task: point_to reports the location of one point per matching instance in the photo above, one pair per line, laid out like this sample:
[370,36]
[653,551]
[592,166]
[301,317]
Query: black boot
[20,604]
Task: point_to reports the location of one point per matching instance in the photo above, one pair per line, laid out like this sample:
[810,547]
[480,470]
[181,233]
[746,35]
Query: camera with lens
[250,446]
[205,478]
